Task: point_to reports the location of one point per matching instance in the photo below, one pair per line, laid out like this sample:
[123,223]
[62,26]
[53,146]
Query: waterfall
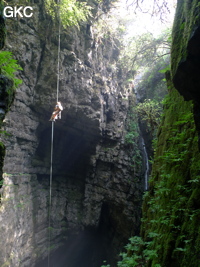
[146,176]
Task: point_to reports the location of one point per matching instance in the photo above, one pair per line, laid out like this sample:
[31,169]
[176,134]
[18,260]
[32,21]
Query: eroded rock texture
[185,73]
[96,187]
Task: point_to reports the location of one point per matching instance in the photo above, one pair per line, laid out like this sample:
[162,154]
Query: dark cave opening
[83,244]
[93,246]
[85,249]
[115,229]
[71,150]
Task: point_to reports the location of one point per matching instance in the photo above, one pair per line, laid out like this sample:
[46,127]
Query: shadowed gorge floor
[85,249]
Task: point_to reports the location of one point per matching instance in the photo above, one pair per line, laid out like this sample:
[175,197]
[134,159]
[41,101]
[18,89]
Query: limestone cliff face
[96,186]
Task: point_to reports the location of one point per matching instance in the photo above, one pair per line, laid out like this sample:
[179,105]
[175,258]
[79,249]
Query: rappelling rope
[52,134]
[58,66]
[50,191]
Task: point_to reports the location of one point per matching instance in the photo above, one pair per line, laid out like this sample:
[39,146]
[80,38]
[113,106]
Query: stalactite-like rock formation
[97,187]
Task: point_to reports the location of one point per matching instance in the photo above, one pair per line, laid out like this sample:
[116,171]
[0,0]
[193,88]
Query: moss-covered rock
[171,209]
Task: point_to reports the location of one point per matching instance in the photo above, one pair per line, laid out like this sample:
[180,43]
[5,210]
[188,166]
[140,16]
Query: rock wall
[171,207]
[186,67]
[96,185]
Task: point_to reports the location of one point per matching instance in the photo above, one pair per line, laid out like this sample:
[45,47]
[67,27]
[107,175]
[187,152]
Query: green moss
[8,83]
[186,20]
[171,207]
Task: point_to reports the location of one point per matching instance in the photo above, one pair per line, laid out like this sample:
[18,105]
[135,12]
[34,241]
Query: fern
[8,67]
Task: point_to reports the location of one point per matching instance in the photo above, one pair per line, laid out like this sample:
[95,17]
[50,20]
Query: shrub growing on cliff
[132,127]
[149,111]
[8,67]
[71,12]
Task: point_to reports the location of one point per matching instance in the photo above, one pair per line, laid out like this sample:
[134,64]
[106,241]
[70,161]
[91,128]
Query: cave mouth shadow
[71,150]
[85,249]
[93,246]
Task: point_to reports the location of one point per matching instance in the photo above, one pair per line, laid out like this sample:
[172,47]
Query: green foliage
[182,26]
[187,19]
[153,82]
[112,27]
[132,128]
[170,211]
[137,51]
[131,257]
[105,265]
[132,138]
[8,67]
[165,69]
[138,253]
[70,12]
[144,50]
[149,111]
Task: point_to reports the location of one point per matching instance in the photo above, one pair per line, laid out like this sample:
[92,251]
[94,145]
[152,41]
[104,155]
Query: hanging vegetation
[71,12]
[149,111]
[8,67]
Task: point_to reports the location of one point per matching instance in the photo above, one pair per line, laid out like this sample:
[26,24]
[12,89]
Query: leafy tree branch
[70,12]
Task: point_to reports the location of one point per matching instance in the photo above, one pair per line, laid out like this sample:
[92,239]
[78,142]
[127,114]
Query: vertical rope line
[50,189]
[58,66]
[52,133]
